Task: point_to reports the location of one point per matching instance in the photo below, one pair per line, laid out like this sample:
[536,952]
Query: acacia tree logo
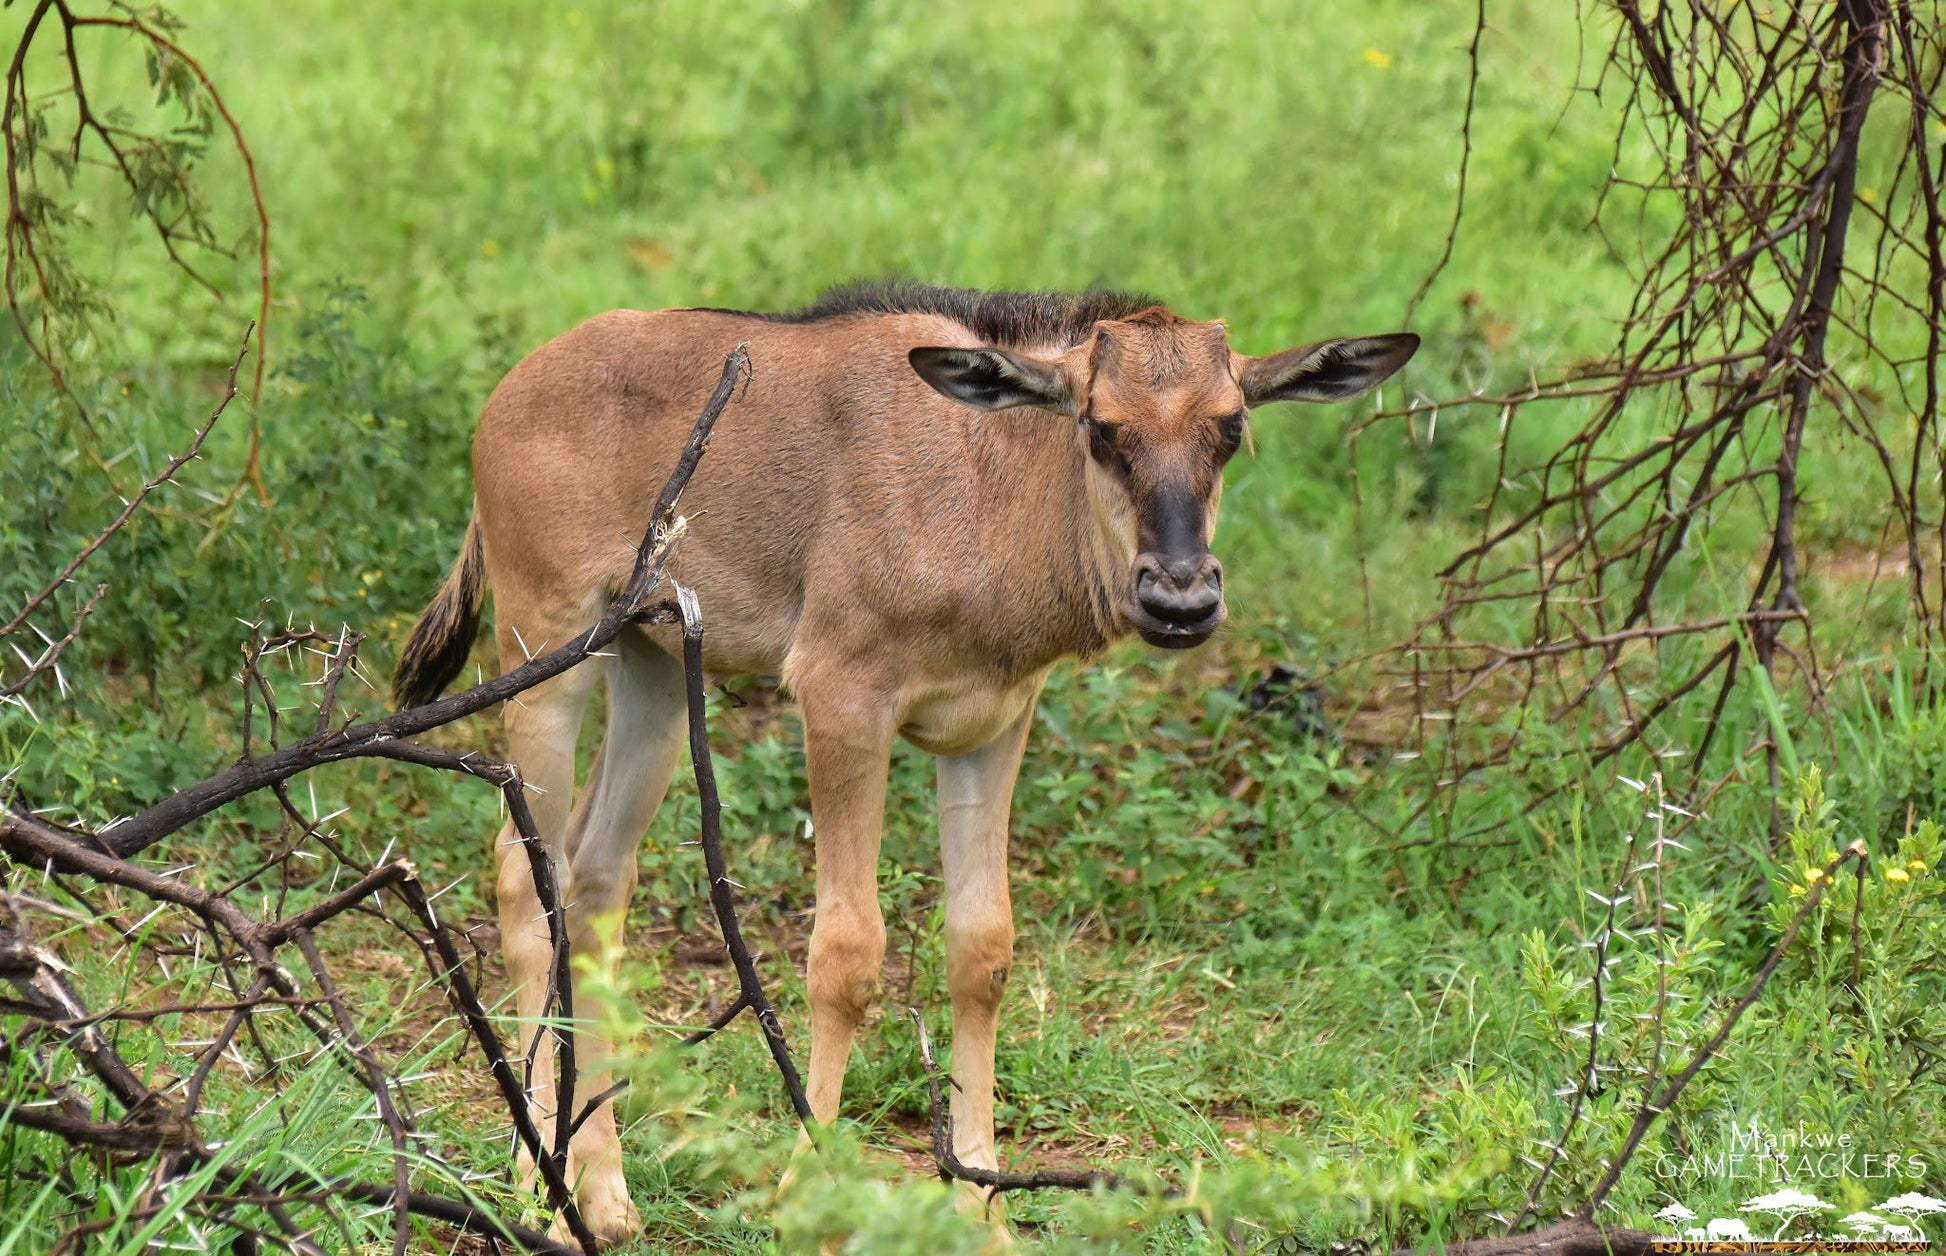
[1909,1206]
[1786,1206]
[1895,1225]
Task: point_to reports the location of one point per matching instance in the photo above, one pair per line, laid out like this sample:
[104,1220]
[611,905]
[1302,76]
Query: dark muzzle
[1184,593]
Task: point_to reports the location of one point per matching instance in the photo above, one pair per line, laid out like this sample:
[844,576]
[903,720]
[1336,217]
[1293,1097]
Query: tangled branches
[1771,283]
[237,953]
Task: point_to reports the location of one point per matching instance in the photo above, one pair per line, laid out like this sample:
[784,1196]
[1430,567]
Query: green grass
[1250,957]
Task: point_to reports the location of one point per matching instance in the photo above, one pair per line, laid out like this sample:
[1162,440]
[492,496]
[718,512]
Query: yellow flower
[1917,865]
[1813,875]
[1376,59]
[1897,874]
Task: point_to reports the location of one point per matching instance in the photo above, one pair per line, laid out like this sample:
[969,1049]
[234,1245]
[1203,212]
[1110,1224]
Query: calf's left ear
[1332,370]
[993,379]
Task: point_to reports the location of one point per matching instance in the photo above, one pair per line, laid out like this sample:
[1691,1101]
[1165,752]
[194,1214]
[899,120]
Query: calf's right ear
[993,379]
[1334,370]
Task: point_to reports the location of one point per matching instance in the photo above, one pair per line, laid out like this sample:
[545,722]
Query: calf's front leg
[975,795]
[847,753]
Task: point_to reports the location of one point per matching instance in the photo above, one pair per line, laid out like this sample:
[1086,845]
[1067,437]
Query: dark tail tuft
[443,637]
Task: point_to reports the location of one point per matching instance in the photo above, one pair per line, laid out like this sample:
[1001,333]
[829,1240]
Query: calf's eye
[1105,446]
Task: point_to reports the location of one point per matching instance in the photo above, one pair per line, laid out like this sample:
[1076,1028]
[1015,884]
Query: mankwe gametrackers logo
[1794,1163]
[1791,1217]
[1795,1156]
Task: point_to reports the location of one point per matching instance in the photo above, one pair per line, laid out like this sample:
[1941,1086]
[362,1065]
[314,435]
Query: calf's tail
[443,637]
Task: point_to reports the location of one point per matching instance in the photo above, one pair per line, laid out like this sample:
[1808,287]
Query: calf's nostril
[1183,571]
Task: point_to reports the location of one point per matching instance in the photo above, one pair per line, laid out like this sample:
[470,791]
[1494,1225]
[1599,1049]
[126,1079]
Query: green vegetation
[1259,953]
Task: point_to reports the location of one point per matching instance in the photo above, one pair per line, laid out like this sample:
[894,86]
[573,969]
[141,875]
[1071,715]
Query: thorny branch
[244,947]
[1465,161]
[1772,276]
[722,890]
[952,1168]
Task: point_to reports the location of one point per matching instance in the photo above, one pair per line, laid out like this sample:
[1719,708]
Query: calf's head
[1163,403]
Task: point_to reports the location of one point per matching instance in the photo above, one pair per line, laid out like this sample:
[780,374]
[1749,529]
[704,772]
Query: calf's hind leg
[639,753]
[541,728]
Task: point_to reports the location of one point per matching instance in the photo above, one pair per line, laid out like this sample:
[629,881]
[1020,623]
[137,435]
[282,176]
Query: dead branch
[722,890]
[1573,1237]
[1728,375]
[257,983]
[1465,161]
[951,1168]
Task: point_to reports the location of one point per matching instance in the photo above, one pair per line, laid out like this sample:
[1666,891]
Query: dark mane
[1019,319]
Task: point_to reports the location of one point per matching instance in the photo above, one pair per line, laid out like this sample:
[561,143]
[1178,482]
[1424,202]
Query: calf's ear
[1332,370]
[993,379]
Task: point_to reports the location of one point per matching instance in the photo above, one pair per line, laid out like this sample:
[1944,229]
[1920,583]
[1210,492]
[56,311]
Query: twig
[1653,1108]
[377,737]
[134,503]
[1465,163]
[721,895]
[951,1168]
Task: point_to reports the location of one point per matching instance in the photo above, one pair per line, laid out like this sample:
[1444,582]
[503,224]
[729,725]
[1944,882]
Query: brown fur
[908,565]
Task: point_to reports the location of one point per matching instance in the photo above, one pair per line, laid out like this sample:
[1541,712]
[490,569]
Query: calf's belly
[957,715]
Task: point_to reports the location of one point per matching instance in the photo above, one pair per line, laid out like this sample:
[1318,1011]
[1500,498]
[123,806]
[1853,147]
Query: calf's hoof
[607,1209]
[977,1201]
